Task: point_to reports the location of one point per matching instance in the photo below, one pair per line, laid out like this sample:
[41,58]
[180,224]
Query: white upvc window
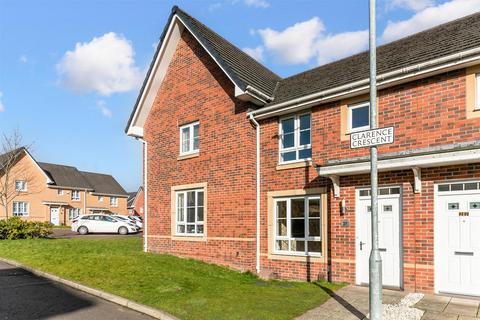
[477,91]
[100,198]
[75,194]
[298,226]
[73,213]
[295,135]
[190,212]
[189,138]
[20,185]
[359,117]
[20,208]
[114,201]
[60,192]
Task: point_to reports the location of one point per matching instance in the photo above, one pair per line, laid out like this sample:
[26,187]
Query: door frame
[400,231]
[436,239]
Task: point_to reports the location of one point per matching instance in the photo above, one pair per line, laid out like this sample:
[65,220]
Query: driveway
[26,296]
[61,233]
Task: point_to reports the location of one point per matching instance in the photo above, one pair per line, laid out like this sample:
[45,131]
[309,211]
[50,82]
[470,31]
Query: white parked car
[138,221]
[101,223]
[127,219]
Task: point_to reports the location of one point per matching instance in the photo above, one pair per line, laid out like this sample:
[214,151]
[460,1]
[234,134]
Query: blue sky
[70,70]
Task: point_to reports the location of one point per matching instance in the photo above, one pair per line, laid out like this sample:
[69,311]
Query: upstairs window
[295,138]
[359,116]
[60,192]
[100,198]
[114,201]
[75,195]
[189,138]
[477,92]
[20,185]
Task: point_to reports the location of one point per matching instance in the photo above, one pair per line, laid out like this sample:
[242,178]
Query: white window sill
[189,237]
[188,155]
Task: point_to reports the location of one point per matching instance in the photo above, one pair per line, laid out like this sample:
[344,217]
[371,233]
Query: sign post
[375,281]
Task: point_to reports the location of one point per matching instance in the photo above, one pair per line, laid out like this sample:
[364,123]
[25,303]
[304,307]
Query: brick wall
[196,89]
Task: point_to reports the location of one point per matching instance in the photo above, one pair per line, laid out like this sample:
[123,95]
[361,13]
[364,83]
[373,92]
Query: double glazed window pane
[298,225]
[360,116]
[186,139]
[295,138]
[195,137]
[190,212]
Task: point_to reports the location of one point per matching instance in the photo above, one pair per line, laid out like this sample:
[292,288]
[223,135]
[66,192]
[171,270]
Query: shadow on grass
[344,303]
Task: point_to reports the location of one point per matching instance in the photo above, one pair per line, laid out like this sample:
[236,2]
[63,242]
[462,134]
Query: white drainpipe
[145,195]
[257,126]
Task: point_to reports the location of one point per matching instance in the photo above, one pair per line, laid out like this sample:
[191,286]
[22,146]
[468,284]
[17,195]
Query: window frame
[184,222]
[357,106]
[306,238]
[191,137]
[60,192]
[100,198]
[70,216]
[24,189]
[75,198]
[297,147]
[25,213]
[113,201]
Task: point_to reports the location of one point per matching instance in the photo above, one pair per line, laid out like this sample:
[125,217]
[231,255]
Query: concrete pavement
[26,296]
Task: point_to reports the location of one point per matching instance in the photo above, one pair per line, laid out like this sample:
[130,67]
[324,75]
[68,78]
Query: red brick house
[135,203]
[253,171]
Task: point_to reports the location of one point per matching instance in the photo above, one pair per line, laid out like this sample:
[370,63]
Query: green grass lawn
[186,288]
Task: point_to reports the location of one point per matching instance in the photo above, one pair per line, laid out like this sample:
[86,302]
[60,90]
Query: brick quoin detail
[425,113]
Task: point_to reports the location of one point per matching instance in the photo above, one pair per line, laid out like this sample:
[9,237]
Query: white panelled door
[457,240]
[55,216]
[389,236]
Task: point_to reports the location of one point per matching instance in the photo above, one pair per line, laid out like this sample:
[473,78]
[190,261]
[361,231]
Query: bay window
[295,138]
[298,226]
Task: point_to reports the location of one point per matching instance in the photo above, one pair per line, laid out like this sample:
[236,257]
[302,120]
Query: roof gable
[253,82]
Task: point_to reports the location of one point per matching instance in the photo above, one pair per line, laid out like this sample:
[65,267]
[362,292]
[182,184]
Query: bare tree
[11,151]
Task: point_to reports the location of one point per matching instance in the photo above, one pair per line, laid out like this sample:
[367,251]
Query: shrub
[16,228]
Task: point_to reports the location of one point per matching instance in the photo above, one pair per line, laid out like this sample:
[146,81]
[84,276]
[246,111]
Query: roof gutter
[384,79]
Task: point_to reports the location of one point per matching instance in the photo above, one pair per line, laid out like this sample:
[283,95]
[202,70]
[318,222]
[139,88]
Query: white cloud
[255,53]
[414,5]
[295,44]
[341,45]
[429,17]
[257,3]
[214,6]
[102,105]
[23,58]
[300,43]
[2,106]
[104,65]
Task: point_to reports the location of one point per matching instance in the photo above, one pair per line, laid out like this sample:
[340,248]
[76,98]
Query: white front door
[55,216]
[457,239]
[389,235]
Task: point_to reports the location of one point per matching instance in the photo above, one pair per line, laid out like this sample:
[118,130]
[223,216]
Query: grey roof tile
[104,184]
[65,176]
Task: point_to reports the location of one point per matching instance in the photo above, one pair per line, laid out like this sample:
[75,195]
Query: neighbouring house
[59,193]
[253,171]
[135,202]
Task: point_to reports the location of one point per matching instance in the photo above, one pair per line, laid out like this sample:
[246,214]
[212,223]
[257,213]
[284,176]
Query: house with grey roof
[257,172]
[58,193]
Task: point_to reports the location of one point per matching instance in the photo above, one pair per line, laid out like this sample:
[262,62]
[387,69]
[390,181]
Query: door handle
[382,249]
[463,253]
[361,245]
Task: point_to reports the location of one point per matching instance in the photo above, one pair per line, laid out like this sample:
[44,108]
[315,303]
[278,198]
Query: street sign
[371,138]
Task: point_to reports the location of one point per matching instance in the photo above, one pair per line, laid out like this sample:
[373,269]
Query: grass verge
[186,288]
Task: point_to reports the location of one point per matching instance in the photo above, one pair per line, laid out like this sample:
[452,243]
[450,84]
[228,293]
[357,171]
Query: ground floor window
[298,225]
[20,208]
[73,213]
[190,212]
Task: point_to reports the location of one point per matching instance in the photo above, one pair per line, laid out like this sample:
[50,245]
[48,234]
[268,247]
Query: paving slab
[433,303]
[463,307]
[433,315]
